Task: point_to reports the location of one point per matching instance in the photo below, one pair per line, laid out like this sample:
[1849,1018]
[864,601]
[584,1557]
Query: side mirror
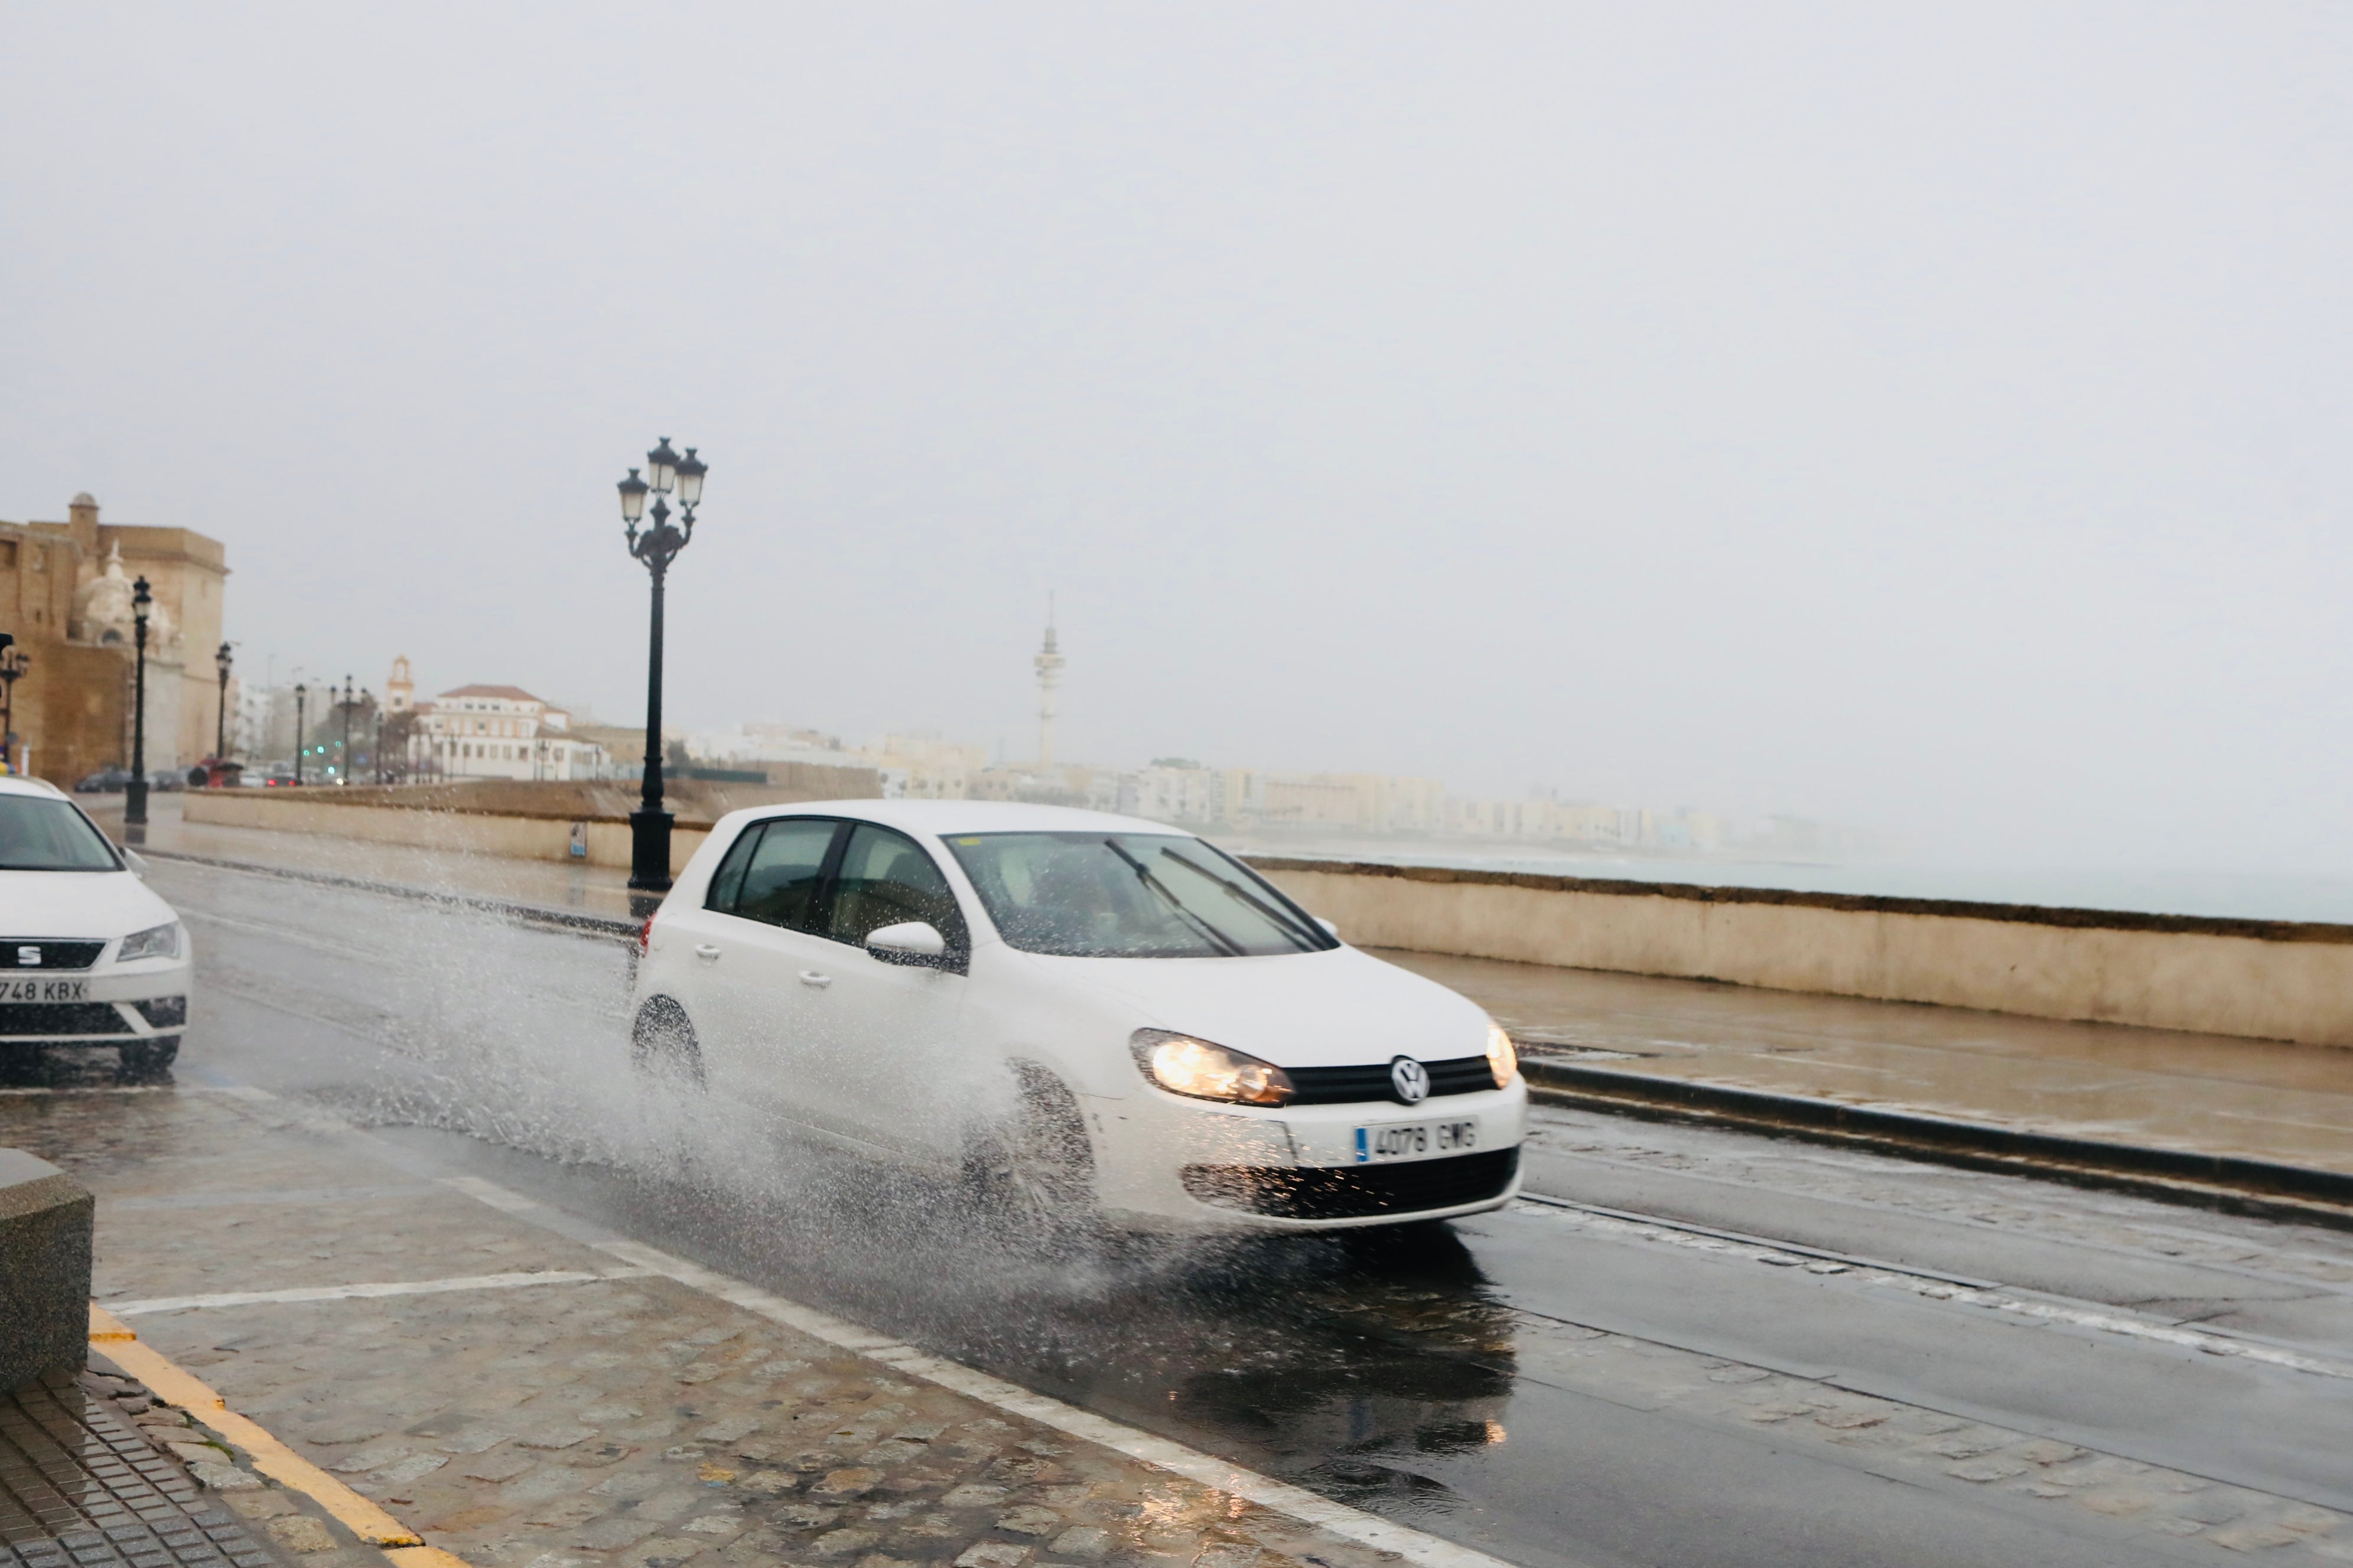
[909,941]
[1330,930]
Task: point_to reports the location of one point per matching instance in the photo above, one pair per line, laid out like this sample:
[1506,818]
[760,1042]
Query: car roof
[17,784]
[945,818]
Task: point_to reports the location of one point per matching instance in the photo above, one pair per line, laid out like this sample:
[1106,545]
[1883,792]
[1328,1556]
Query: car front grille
[46,1020]
[1355,1191]
[48,952]
[1346,1085]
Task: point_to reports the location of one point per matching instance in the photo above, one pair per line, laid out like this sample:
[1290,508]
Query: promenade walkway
[2110,1084]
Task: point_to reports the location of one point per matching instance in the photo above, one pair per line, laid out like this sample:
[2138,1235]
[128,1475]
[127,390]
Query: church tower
[1049,664]
[400,691]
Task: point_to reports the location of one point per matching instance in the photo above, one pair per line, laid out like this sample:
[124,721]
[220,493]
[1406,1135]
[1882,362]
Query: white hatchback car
[1077,1012]
[89,954]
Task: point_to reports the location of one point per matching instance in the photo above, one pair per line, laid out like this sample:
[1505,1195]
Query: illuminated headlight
[1502,1057]
[1183,1065]
[155,941]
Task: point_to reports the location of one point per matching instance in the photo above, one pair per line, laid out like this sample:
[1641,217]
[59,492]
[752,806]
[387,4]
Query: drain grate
[81,1487]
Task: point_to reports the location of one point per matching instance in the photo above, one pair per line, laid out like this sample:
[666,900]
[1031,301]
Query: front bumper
[144,1002]
[1169,1162]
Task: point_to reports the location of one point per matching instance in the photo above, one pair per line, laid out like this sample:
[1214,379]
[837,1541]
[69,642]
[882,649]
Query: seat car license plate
[44,990]
[1416,1140]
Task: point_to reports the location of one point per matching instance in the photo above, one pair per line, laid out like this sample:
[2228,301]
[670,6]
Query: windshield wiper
[1280,920]
[1168,896]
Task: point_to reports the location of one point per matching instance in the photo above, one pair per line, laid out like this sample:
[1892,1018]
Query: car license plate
[44,990]
[1415,1141]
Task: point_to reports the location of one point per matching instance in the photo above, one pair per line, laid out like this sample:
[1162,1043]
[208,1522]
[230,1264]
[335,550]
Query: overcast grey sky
[1934,417]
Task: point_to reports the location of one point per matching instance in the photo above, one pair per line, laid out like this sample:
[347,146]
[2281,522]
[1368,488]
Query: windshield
[38,835]
[1130,895]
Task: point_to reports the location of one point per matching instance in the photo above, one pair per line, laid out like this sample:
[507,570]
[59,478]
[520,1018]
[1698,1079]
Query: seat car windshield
[38,835]
[1130,895]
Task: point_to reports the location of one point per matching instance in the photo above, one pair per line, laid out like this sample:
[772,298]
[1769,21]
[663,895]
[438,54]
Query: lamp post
[134,804]
[656,549]
[300,692]
[14,662]
[221,661]
[343,774]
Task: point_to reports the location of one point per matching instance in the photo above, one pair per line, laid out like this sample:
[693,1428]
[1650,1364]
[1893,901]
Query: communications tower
[1049,663]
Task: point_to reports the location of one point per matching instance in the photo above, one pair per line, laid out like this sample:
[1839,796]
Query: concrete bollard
[45,1233]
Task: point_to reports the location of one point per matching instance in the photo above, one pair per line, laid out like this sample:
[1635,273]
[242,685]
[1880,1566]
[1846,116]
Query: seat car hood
[1340,1008]
[86,904]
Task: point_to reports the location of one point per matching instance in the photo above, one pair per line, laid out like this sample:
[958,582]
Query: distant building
[65,595]
[498,733]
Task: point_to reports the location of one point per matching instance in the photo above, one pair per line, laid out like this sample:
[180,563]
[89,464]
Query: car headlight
[155,941]
[1183,1065]
[1503,1057]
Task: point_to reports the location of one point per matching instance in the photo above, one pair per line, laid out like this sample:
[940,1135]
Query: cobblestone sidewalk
[561,1409]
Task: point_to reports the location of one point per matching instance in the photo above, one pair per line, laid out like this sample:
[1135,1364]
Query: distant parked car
[164,780]
[89,954]
[106,781]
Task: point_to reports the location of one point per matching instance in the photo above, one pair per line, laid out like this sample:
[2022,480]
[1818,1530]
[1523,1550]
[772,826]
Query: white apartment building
[500,733]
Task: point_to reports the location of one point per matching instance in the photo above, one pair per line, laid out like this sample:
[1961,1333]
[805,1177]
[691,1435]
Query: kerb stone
[44,1230]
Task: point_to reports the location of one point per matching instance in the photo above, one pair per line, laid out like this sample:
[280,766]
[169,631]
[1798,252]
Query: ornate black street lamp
[134,804]
[14,662]
[343,774]
[657,548]
[300,692]
[221,661]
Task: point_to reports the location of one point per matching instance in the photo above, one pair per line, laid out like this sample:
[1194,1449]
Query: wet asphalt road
[1558,1384]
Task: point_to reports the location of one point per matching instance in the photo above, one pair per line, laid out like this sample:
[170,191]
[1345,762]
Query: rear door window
[887,878]
[778,878]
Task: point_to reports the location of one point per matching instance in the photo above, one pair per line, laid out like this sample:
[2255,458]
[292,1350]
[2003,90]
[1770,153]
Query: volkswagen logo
[1410,1079]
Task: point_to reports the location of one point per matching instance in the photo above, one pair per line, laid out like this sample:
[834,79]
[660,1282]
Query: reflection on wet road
[1897,1365]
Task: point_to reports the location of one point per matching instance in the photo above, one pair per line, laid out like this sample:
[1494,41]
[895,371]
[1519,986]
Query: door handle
[707,953]
[811,977]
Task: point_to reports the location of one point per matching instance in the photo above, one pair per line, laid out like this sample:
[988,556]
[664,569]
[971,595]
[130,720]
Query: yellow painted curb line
[273,1458]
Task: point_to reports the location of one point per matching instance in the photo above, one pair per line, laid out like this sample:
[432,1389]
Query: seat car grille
[48,952]
[45,1020]
[1355,1192]
[1343,1086]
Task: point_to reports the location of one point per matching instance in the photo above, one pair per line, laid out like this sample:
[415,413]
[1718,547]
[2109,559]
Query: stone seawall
[524,837]
[2262,979]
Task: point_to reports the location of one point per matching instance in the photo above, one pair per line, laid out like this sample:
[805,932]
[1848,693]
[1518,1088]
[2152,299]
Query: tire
[662,1043]
[1032,1176]
[149,1059]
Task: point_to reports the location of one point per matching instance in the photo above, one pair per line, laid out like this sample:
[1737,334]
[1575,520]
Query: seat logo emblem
[1410,1079]
[29,958]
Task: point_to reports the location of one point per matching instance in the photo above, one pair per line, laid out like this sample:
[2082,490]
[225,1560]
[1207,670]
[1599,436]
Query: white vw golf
[1076,1013]
[88,956]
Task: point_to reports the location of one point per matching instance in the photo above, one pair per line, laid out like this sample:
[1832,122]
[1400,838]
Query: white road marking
[1297,1502]
[354,1293]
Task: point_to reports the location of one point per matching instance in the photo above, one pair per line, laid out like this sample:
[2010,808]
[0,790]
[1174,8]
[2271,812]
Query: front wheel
[149,1059]
[1033,1175]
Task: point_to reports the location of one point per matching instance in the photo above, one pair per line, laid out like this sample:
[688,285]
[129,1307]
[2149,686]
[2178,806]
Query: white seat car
[89,954]
[1078,1012]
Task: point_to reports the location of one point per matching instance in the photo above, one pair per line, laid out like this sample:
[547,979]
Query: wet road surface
[1696,1347]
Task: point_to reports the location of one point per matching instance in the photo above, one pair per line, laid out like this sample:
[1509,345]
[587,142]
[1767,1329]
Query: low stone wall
[44,1234]
[2260,979]
[523,837]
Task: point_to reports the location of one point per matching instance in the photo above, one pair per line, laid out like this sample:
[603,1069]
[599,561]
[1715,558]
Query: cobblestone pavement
[603,1414]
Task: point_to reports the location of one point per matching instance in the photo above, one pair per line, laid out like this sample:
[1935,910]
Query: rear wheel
[1032,1176]
[662,1043]
[148,1059]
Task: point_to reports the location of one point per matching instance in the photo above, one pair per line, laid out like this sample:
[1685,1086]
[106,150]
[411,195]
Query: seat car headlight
[1199,1070]
[1503,1057]
[155,941]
